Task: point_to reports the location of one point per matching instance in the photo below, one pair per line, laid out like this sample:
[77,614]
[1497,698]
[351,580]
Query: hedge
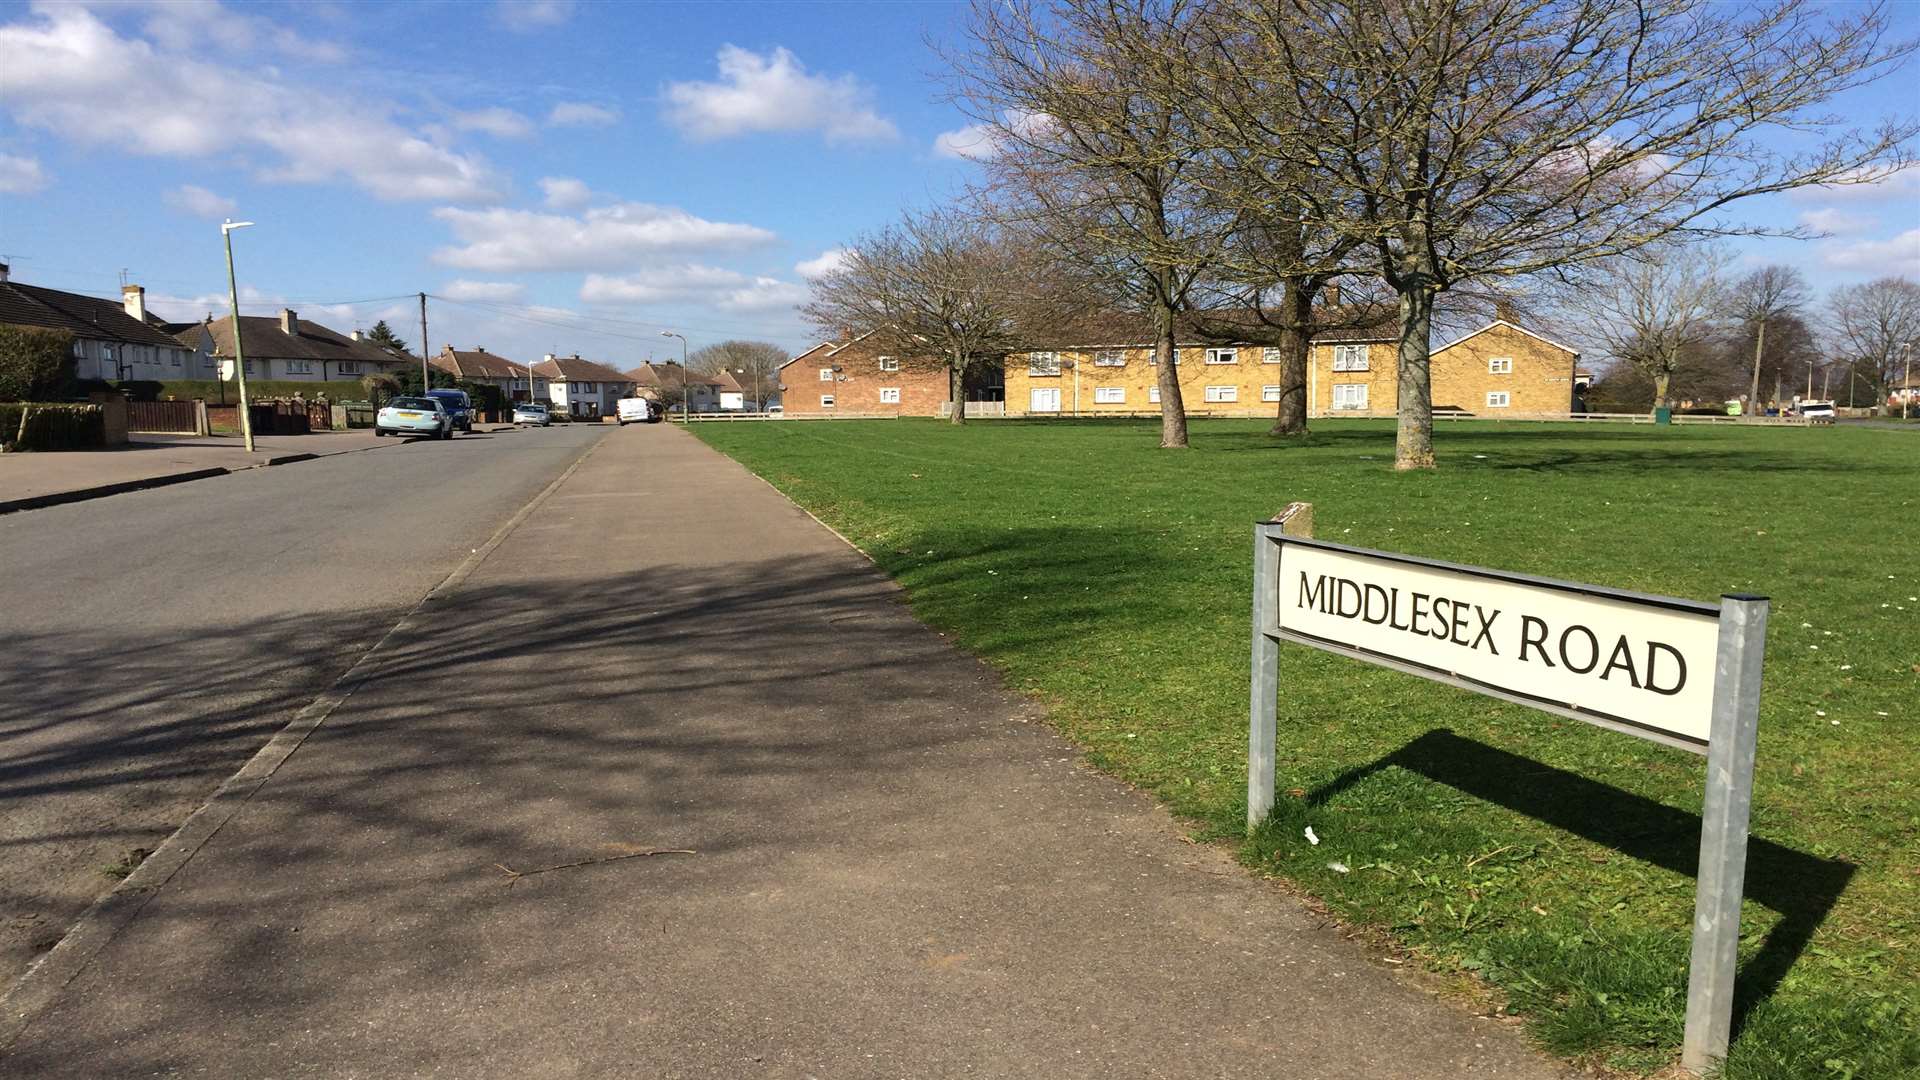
[257,389]
[35,363]
[52,427]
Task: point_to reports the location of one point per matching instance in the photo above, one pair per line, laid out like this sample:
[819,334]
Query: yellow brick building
[1499,370]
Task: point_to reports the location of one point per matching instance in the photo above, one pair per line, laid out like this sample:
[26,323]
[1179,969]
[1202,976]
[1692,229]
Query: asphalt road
[154,640]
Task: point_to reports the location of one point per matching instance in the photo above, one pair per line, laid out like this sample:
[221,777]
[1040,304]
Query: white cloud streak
[1895,255]
[983,142]
[199,202]
[21,175]
[581,114]
[498,291]
[775,93]
[524,15]
[504,123]
[822,264]
[66,72]
[727,290]
[565,193]
[604,238]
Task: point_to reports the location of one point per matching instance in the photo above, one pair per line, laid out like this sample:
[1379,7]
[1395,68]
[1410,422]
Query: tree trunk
[1173,411]
[1759,347]
[957,392]
[1661,380]
[1296,341]
[1413,443]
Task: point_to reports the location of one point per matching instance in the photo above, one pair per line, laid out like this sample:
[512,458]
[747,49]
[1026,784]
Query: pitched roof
[668,373]
[1126,330]
[86,316]
[828,345]
[572,368]
[478,364]
[1515,328]
[262,339]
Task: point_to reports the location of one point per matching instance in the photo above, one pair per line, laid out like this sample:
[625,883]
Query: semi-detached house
[582,388]
[113,340]
[287,348]
[480,366]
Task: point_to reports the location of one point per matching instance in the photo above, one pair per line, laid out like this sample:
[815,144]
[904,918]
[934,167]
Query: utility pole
[1906,391]
[239,354]
[424,384]
[1759,349]
[686,399]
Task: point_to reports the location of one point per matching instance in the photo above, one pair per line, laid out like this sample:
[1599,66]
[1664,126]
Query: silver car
[532,412]
[414,416]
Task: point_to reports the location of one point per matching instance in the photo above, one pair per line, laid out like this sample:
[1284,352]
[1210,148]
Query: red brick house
[857,379]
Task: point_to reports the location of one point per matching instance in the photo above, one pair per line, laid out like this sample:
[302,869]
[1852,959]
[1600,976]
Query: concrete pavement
[898,869]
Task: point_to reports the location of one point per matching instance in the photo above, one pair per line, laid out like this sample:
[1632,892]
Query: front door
[1045,400]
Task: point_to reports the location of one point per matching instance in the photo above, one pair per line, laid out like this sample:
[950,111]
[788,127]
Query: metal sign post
[1629,662]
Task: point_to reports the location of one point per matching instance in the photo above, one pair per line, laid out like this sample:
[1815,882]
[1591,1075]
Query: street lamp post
[686,399]
[239,354]
[1906,391]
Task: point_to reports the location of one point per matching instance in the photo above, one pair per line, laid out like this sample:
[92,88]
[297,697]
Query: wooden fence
[166,417]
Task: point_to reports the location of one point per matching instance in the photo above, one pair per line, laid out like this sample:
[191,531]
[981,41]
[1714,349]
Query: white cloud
[199,202]
[982,142]
[533,14]
[565,193]
[1901,185]
[21,175]
[504,123]
[66,72]
[500,291]
[1895,255]
[774,92]
[190,25]
[1829,219]
[825,263]
[605,237]
[581,114]
[728,290]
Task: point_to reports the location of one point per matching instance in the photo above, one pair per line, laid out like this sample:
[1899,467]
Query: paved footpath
[899,871]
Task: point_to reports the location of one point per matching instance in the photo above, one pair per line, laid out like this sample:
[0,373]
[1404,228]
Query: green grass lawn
[1550,859]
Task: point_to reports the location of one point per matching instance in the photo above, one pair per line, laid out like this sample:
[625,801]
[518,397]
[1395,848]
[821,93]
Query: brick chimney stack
[289,322]
[135,299]
[3,271]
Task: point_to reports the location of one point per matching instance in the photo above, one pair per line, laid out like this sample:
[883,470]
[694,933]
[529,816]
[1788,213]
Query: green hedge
[35,364]
[52,427]
[257,389]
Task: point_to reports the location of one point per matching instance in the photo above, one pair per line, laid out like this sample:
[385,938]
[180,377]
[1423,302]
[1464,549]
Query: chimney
[289,322]
[135,299]
[3,271]
[357,336]
[1330,296]
[549,358]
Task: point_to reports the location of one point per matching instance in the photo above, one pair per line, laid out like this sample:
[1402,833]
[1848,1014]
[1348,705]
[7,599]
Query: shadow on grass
[1802,888]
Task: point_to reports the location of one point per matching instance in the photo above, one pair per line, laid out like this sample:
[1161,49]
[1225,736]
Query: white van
[635,410]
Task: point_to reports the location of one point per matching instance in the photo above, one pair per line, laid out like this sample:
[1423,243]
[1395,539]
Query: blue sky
[578,175]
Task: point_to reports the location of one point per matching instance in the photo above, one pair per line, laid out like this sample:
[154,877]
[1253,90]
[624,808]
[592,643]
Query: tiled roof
[86,316]
[1117,330]
[572,368]
[478,364]
[668,374]
[263,339]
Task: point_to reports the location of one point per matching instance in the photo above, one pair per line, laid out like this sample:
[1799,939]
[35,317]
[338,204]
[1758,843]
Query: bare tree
[943,285]
[1871,323]
[1654,310]
[1761,297]
[754,364]
[1462,140]
[1091,156]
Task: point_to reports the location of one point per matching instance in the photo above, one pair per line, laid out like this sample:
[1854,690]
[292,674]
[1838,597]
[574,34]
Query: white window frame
[1222,395]
[1109,395]
[1043,364]
[1499,399]
[1500,365]
[1223,356]
[1271,355]
[299,367]
[889,395]
[1350,358]
[175,358]
[888,363]
[1110,358]
[826,401]
[1153,395]
[348,367]
[826,374]
[1270,393]
[1351,392]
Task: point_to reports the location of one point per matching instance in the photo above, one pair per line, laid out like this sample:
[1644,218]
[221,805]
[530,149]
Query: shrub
[35,363]
[52,427]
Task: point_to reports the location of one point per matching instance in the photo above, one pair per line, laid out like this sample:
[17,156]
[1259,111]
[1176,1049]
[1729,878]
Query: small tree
[380,386]
[35,364]
[1654,310]
[1762,296]
[755,365]
[943,285]
[383,335]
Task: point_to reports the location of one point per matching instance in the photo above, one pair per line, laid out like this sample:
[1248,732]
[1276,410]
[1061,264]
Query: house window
[175,357]
[79,349]
[826,374]
[1349,395]
[1223,393]
[888,363]
[826,401]
[1269,355]
[1110,395]
[1153,356]
[889,395]
[299,367]
[1269,393]
[1500,365]
[1349,358]
[1043,363]
[348,367]
[1497,399]
[1153,395]
[249,366]
[1110,358]
[590,388]
[1223,356]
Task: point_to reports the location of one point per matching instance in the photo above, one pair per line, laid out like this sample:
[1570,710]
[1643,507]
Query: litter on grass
[1311,838]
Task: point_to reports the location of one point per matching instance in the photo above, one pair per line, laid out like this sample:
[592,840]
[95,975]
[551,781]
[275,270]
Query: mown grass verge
[1552,860]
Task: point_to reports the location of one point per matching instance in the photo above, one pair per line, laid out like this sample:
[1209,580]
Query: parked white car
[414,416]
